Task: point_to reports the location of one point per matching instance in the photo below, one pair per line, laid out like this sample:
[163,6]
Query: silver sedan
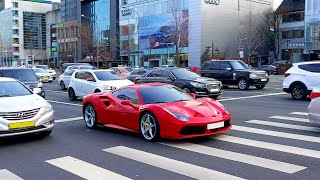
[314,107]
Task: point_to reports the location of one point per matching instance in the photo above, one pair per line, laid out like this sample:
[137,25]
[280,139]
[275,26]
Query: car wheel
[62,85]
[260,86]
[187,90]
[299,91]
[243,84]
[90,116]
[72,95]
[149,127]
[46,133]
[97,91]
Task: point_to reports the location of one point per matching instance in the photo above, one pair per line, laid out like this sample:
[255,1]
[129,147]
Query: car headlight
[267,75]
[40,85]
[198,85]
[48,109]
[109,88]
[177,115]
[253,75]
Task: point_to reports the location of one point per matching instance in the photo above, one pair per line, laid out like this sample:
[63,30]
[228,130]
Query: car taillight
[314,95]
[286,74]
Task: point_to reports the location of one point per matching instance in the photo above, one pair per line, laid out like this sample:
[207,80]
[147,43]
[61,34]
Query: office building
[312,29]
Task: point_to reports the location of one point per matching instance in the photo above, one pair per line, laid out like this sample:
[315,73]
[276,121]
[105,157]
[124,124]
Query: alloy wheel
[148,127]
[243,84]
[90,116]
[298,92]
[62,86]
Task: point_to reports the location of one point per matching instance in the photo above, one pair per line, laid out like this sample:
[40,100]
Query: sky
[276,3]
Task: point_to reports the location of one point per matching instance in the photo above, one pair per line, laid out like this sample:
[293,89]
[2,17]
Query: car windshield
[43,67]
[23,75]
[124,70]
[87,67]
[151,95]
[129,69]
[184,74]
[239,65]
[108,75]
[39,70]
[13,88]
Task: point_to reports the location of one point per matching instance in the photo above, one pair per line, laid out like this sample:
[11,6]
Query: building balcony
[15,45]
[15,35]
[15,27]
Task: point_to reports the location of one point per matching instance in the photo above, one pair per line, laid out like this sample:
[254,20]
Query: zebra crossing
[298,125]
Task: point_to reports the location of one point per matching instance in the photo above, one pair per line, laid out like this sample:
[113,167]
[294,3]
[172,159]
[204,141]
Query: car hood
[194,108]
[252,71]
[205,80]
[42,74]
[117,83]
[21,103]
[51,71]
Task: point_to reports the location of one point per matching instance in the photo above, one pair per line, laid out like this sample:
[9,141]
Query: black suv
[24,75]
[188,81]
[234,72]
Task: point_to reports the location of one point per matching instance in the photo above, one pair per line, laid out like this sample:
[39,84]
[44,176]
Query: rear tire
[299,91]
[72,95]
[243,84]
[62,85]
[260,86]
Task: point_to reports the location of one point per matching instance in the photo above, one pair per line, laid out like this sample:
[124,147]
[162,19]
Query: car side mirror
[228,69]
[37,90]
[194,96]
[90,79]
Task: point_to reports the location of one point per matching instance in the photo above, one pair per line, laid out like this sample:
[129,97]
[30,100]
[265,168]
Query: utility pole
[212,49]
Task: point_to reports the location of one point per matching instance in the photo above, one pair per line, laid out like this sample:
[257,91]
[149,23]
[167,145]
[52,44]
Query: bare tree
[87,41]
[179,21]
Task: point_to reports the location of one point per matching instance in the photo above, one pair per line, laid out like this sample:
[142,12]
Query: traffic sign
[241,48]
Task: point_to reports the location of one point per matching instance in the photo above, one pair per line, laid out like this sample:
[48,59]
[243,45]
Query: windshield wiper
[158,102]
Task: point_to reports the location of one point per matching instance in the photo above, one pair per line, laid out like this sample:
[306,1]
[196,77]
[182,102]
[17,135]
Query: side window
[80,75]
[225,65]
[156,73]
[142,72]
[205,66]
[166,74]
[127,94]
[88,75]
[311,67]
[116,70]
[215,65]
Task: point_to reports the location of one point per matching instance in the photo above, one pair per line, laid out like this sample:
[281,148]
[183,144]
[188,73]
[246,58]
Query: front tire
[149,127]
[46,133]
[299,91]
[90,116]
[72,95]
[243,84]
[62,85]
[260,86]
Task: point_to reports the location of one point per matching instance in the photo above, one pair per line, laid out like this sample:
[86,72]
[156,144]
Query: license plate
[214,90]
[22,125]
[215,125]
[45,78]
[264,80]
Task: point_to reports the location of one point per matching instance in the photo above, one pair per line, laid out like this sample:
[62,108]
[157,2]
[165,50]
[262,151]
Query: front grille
[261,75]
[22,115]
[213,86]
[192,130]
[13,131]
[226,124]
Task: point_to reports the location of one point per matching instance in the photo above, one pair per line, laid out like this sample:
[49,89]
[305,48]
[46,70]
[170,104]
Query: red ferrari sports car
[156,111]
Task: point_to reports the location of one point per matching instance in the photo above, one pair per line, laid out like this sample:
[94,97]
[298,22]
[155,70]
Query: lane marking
[7,175]
[84,170]
[172,165]
[250,97]
[277,134]
[243,158]
[56,91]
[69,119]
[300,113]
[283,125]
[64,103]
[270,146]
[290,118]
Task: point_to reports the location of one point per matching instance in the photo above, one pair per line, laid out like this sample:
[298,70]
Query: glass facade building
[34,31]
[312,26]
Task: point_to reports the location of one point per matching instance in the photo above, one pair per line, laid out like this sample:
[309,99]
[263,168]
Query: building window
[124,2]
[293,34]
[293,17]
[34,30]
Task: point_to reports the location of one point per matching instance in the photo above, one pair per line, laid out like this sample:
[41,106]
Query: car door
[154,76]
[67,77]
[90,84]
[211,70]
[128,116]
[168,77]
[225,74]
[312,77]
[77,82]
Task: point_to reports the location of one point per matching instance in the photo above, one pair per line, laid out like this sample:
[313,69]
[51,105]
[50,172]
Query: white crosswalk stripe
[84,169]
[276,134]
[270,146]
[283,125]
[175,166]
[243,158]
[7,175]
[290,118]
[299,113]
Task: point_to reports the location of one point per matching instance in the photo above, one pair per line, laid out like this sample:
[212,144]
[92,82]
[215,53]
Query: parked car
[234,72]
[23,112]
[156,111]
[188,81]
[64,79]
[136,67]
[122,71]
[80,67]
[51,71]
[24,75]
[314,106]
[84,82]
[270,69]
[193,69]
[43,75]
[136,73]
[65,65]
[301,78]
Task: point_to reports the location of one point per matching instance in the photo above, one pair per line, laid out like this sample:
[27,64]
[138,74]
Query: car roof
[94,70]
[5,79]
[138,86]
[13,68]
[308,62]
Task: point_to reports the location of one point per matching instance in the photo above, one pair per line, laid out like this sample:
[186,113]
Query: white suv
[301,78]
[84,82]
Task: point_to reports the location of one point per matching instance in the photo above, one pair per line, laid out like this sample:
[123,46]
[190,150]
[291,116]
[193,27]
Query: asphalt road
[270,139]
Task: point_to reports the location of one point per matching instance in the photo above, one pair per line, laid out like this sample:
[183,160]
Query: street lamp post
[138,49]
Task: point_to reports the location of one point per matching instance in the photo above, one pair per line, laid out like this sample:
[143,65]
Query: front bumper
[42,123]
[262,81]
[205,92]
